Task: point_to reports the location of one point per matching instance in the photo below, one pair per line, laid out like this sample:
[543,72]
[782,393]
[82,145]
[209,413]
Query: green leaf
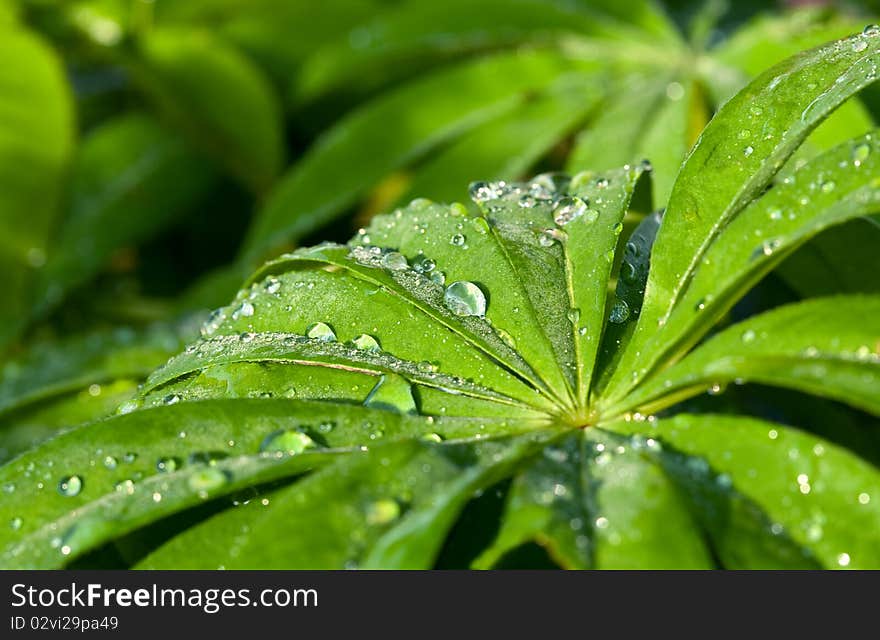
[217,98]
[55,367]
[36,140]
[345,163]
[137,467]
[595,501]
[735,158]
[417,34]
[395,513]
[507,147]
[125,187]
[646,118]
[830,189]
[835,261]
[809,492]
[827,346]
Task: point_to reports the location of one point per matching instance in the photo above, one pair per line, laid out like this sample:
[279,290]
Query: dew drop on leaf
[110,462]
[321,331]
[366,343]
[167,464]
[244,310]
[70,486]
[871,30]
[15,523]
[395,261]
[619,312]
[860,154]
[287,441]
[465,298]
[204,480]
[457,240]
[567,209]
[749,150]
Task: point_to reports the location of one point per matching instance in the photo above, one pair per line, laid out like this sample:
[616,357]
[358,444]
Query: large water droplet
[871,30]
[204,480]
[860,154]
[245,309]
[465,298]
[287,441]
[567,209]
[394,261]
[70,486]
[366,343]
[321,331]
[619,312]
[457,240]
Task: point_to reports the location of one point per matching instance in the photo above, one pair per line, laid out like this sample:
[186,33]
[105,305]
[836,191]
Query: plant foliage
[363,404]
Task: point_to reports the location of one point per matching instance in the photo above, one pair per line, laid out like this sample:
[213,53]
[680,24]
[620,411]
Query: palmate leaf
[352,399]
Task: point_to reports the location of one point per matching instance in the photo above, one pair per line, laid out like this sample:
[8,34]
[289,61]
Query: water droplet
[574,316]
[481,192]
[287,441]
[859,45]
[432,437]
[567,209]
[843,559]
[130,457]
[828,186]
[272,285]
[394,261]
[208,479]
[601,522]
[424,265]
[749,150]
[628,272]
[715,389]
[366,343]
[457,240]
[326,427]
[864,498]
[382,512]
[619,312]
[748,335]
[465,298]
[70,486]
[860,153]
[15,523]
[110,462]
[438,277]
[775,214]
[602,183]
[245,310]
[744,134]
[9,487]
[125,486]
[871,30]
[171,398]
[321,331]
[167,464]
